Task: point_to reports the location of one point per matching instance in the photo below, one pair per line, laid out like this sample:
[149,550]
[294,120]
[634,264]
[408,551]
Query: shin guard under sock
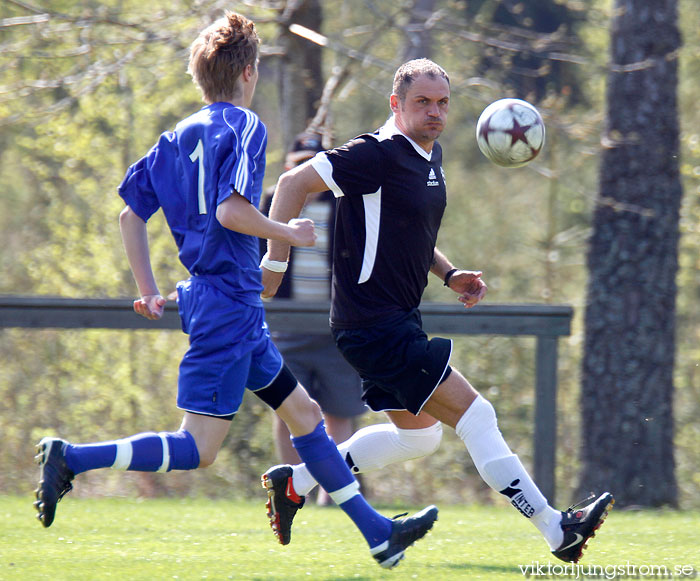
[147,452]
[328,468]
[503,471]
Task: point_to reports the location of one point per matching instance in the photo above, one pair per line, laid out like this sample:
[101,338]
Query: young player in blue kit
[207,176]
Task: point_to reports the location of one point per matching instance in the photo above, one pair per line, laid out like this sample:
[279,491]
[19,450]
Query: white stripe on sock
[379,548]
[166,453]
[346,493]
[124,455]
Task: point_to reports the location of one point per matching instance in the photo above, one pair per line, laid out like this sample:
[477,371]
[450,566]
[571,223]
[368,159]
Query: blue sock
[147,452]
[327,466]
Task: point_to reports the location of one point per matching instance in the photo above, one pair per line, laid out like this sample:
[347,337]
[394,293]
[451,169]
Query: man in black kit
[391,194]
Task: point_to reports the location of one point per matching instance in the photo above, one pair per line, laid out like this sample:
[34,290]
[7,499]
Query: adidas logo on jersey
[432,178]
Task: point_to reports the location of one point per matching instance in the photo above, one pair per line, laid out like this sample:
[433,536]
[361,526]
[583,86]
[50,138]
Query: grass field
[131,539]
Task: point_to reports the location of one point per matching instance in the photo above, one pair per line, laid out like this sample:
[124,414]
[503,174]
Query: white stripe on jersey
[373,205]
[242,175]
[325,170]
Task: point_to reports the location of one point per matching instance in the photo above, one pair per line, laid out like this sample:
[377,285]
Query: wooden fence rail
[545,322]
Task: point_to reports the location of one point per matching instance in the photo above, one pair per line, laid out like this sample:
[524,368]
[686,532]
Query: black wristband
[448,276]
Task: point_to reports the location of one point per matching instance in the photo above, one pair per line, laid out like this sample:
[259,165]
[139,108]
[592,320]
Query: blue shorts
[400,368]
[230,350]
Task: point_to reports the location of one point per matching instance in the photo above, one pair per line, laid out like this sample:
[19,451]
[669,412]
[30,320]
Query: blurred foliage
[85,89]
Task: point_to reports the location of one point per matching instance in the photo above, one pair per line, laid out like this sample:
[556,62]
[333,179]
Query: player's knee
[207,450]
[207,457]
[421,442]
[311,416]
[301,413]
[478,420]
[484,414]
[433,438]
[312,412]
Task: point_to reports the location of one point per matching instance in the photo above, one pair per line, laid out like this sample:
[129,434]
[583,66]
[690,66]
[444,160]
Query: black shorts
[400,368]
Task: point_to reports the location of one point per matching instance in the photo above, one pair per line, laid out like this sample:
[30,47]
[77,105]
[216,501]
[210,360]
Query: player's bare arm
[289,198]
[466,283]
[135,239]
[287,202]
[238,214]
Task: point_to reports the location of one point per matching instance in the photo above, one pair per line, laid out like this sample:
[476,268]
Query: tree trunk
[418,42]
[627,379]
[300,72]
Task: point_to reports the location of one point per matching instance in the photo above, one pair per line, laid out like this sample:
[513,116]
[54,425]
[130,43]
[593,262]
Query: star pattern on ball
[510,132]
[517,133]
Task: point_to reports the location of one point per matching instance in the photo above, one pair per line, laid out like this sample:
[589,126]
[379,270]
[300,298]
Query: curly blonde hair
[219,55]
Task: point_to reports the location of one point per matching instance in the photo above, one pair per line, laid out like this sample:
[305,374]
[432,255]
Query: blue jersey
[189,172]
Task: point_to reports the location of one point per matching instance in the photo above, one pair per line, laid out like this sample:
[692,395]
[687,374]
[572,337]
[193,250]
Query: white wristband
[273,265]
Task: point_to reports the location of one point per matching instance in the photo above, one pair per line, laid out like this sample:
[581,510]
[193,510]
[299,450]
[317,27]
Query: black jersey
[391,198]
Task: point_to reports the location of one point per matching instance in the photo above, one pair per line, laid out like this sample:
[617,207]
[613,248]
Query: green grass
[155,539]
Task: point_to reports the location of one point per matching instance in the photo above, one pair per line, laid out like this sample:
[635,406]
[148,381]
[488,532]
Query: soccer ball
[510,132]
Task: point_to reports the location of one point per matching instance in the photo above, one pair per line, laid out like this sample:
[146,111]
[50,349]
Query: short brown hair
[411,70]
[219,55]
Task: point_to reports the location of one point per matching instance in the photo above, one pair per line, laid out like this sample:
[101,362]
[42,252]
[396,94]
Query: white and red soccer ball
[510,132]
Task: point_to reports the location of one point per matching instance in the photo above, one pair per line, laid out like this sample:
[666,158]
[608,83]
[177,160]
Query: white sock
[548,522]
[374,447]
[503,471]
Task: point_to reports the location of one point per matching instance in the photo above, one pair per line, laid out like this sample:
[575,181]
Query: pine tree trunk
[300,71]
[418,43]
[627,379]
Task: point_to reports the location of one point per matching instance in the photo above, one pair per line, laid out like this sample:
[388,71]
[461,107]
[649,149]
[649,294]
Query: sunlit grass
[126,538]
